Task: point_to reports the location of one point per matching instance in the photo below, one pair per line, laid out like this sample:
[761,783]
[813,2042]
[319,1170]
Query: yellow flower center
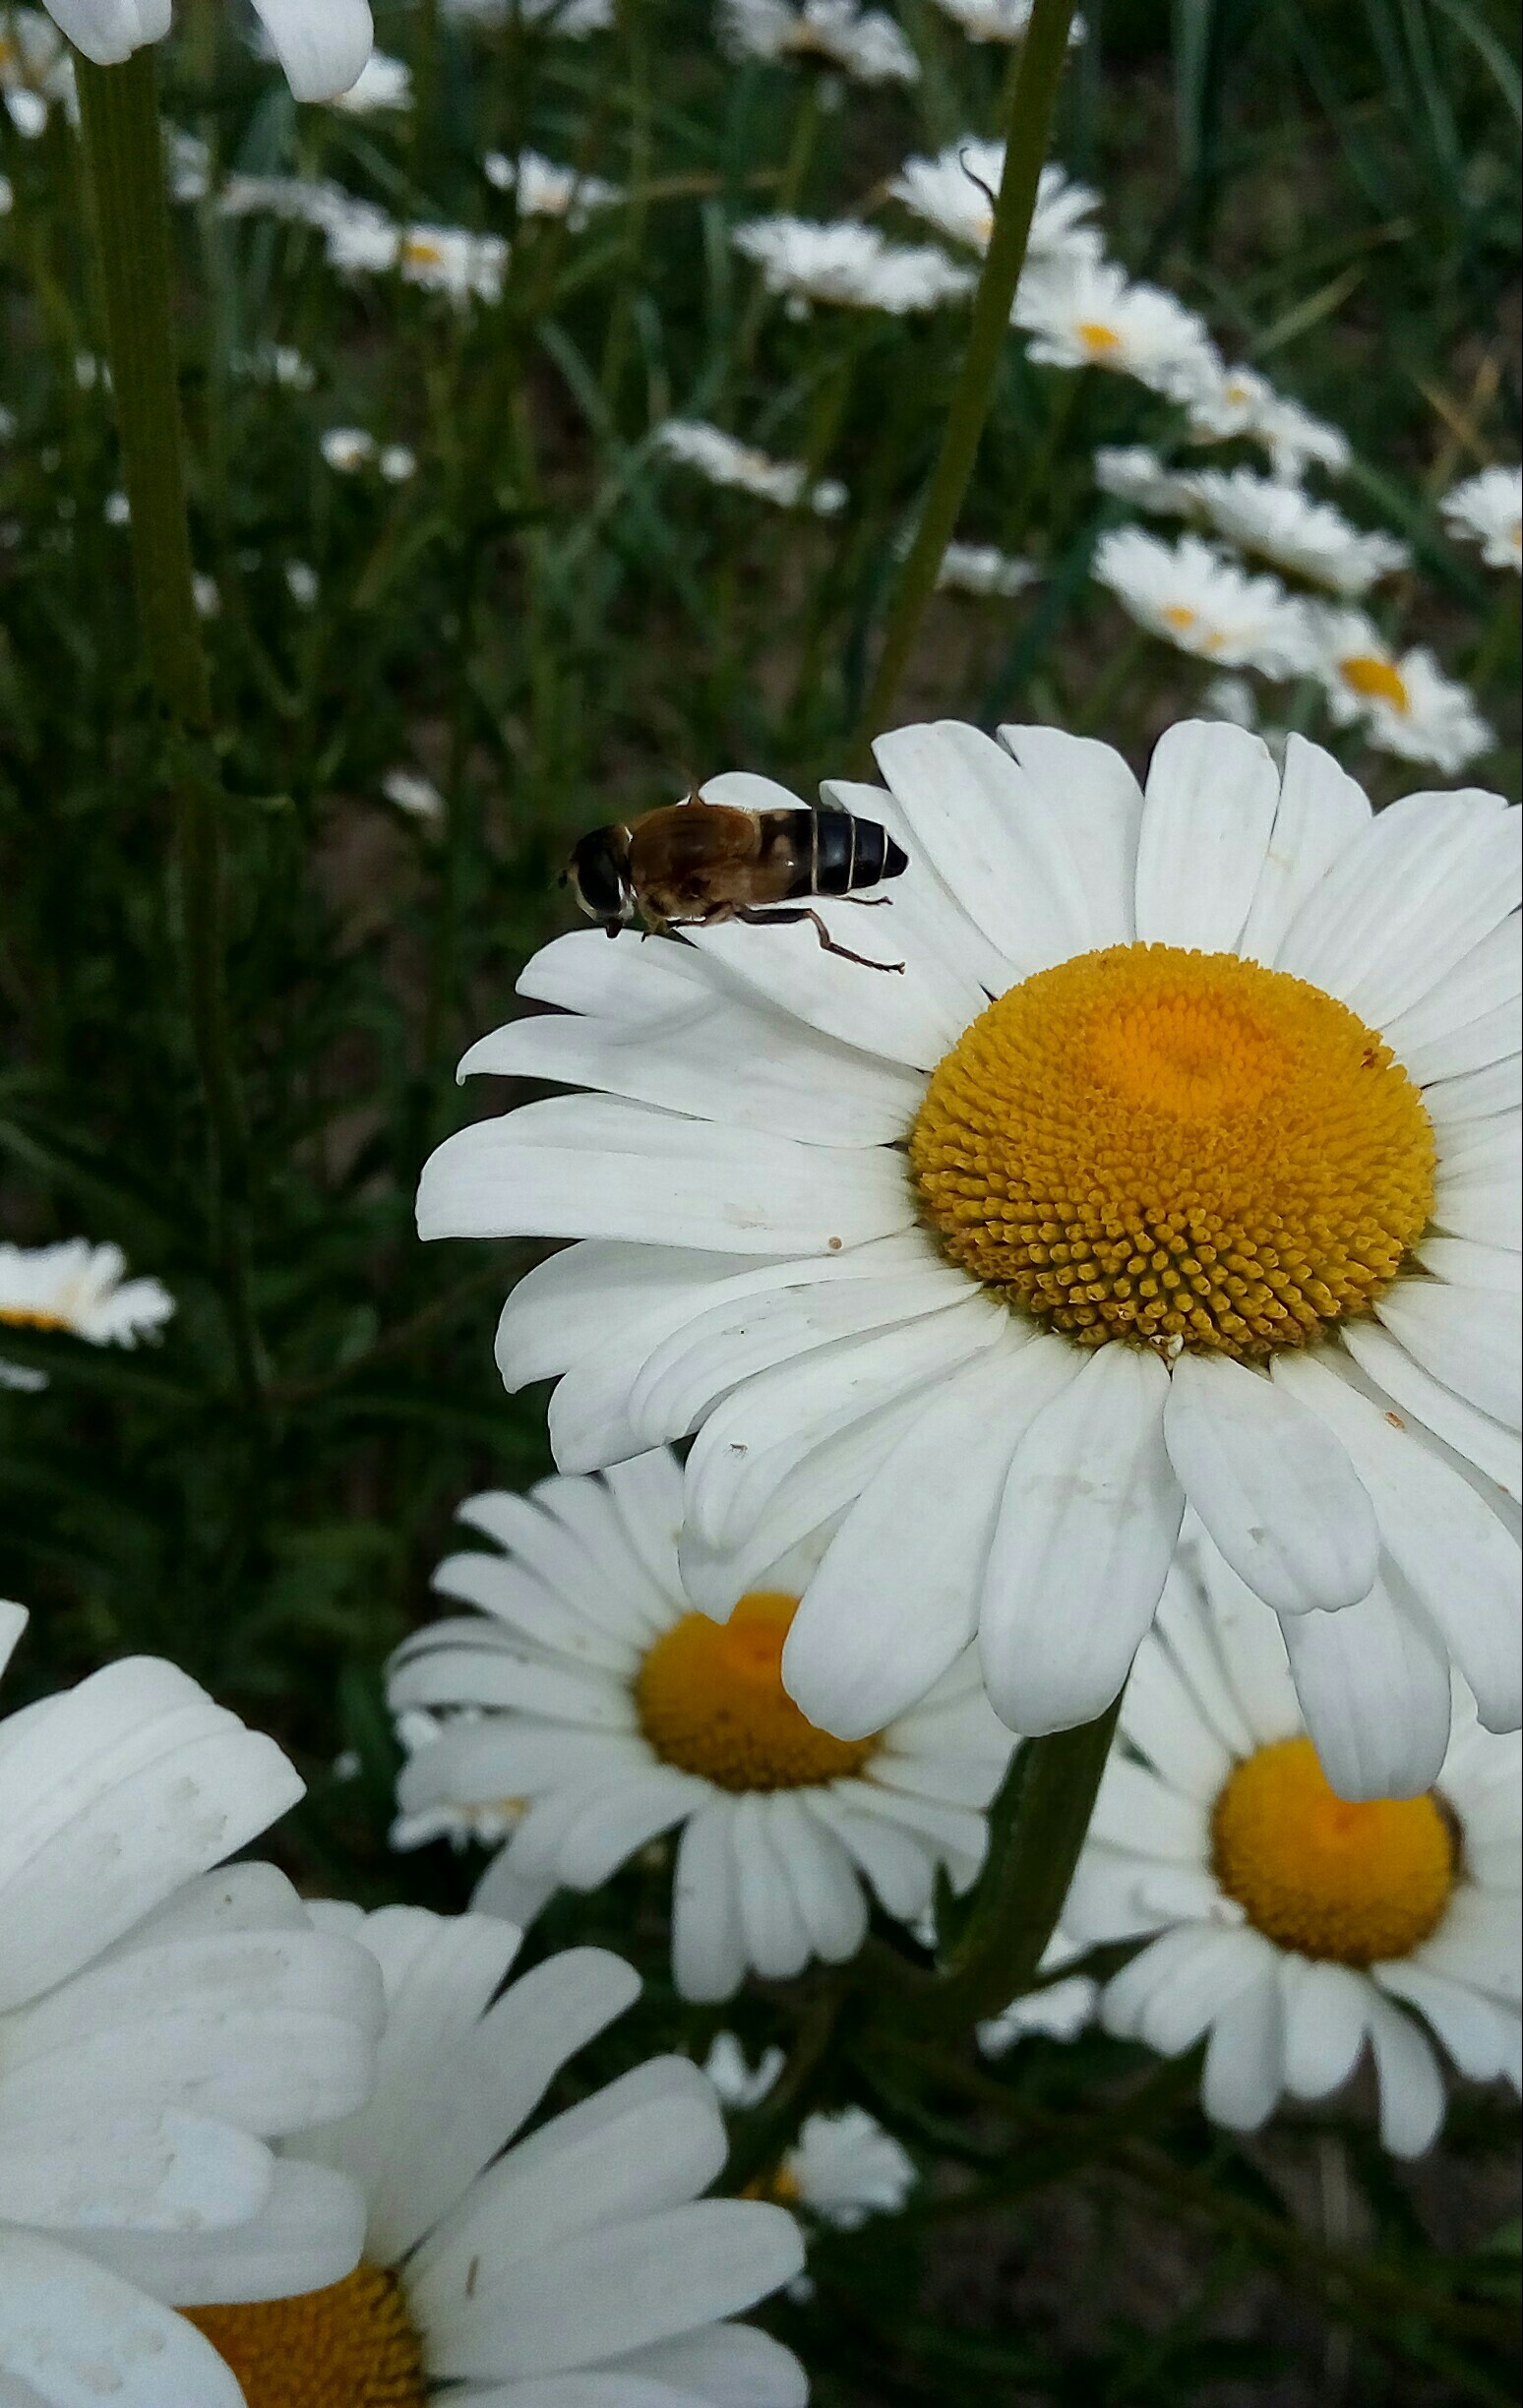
[1096,339]
[1179,616]
[1175,1148]
[350,2346]
[1376,680]
[419,252]
[17,1316]
[712,1702]
[1356,1882]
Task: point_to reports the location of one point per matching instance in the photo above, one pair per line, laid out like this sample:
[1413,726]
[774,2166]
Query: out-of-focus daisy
[347,450]
[397,462]
[1061,2008]
[382,84]
[850,263]
[1283,524]
[1191,596]
[1006,1258]
[1083,310]
[1234,698]
[998,21]
[413,794]
[117,510]
[301,583]
[1488,509]
[1402,700]
[581,2263]
[300,201]
[37,73]
[322,44]
[1231,401]
[1134,475]
[741,2085]
[275,364]
[82,1289]
[956,192]
[843,2168]
[190,167]
[1295,1929]
[983,569]
[575,19]
[165,2017]
[724,461]
[605,1696]
[864,43]
[548,189]
[440,258]
[207,595]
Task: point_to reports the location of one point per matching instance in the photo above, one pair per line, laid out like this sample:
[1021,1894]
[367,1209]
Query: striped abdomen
[836,853]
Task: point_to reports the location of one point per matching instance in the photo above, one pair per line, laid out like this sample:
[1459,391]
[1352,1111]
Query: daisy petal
[1284,1505]
[1244,2058]
[1473,2028]
[1483,981]
[1412,2100]
[1320,811]
[708,1953]
[1087,1524]
[1375,1689]
[1463,1337]
[1093,787]
[322,50]
[1211,797]
[1460,1424]
[309,2232]
[60,2316]
[1325,2024]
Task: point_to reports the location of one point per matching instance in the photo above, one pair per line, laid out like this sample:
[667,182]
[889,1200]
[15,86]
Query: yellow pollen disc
[1377,679]
[1360,1883]
[350,2346]
[1179,616]
[16,1318]
[712,1702]
[1097,338]
[1168,1146]
[420,252]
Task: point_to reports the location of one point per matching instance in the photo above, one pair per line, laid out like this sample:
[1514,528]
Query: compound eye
[599,879]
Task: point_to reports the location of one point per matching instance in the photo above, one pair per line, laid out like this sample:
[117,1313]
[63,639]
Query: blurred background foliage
[557,629]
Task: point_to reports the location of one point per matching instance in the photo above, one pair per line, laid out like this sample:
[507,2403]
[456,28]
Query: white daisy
[738,2082]
[850,263]
[580,2264]
[547,190]
[397,463]
[871,1240]
[575,19]
[998,21]
[417,796]
[301,201]
[301,583]
[275,364]
[347,449]
[1082,310]
[1488,509]
[440,258]
[1402,700]
[37,73]
[1134,475]
[864,43]
[621,1710]
[1283,524]
[1293,1928]
[1060,2010]
[724,461]
[80,1288]
[382,84]
[956,192]
[1233,401]
[206,596]
[1191,596]
[160,2023]
[322,44]
[842,2168]
[984,570]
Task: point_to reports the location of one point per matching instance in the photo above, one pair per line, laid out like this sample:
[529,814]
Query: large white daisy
[1179,1164]
[590,1706]
[1294,1929]
[322,44]
[578,2267]
[161,2021]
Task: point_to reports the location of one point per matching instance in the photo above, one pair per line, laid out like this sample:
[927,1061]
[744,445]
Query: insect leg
[789,919]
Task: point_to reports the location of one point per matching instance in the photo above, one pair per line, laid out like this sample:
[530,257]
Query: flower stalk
[1028,127]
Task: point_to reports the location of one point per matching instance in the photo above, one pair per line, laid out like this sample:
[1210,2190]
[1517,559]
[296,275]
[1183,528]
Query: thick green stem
[1027,128]
[1037,1826]
[125,170]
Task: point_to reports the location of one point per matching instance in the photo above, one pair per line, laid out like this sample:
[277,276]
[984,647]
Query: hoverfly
[698,865]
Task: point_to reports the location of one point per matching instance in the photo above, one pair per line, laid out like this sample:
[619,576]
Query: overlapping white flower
[450,260]
[999,20]
[1216,1201]
[863,44]
[299,200]
[1188,594]
[1058,2009]
[164,2018]
[1133,474]
[1082,310]
[581,2263]
[1233,401]
[588,1706]
[322,44]
[842,2168]
[545,189]
[985,572]
[956,192]
[1488,509]
[1402,700]
[1284,524]
[723,461]
[82,1289]
[575,19]
[1297,1931]
[37,73]
[383,85]
[849,263]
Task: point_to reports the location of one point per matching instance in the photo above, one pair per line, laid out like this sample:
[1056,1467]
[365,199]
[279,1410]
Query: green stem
[125,170]
[1027,126]
[1037,1826]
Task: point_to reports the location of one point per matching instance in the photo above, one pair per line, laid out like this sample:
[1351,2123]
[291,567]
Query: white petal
[1203,1983]
[1251,1644]
[1463,1337]
[826,1890]
[942,945]
[322,49]
[1474,2029]
[1479,982]
[776,1937]
[152,2167]
[1474,1046]
[1472,1433]
[1144,1814]
[1412,2100]
[1465,1263]
[13,1621]
[1211,797]
[1187,1642]
[566,1307]
[1480,1206]
[895,1599]
[1375,1688]
[79,2335]
[613,1825]
[1164,1720]
[1278,1495]
[708,1951]
[1087,1524]
[309,2232]
[1476,1096]
[898,1864]
[1244,2058]
[106,30]
[1325,2022]
[600,1167]
[1093,791]
[733,2363]
[1321,809]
